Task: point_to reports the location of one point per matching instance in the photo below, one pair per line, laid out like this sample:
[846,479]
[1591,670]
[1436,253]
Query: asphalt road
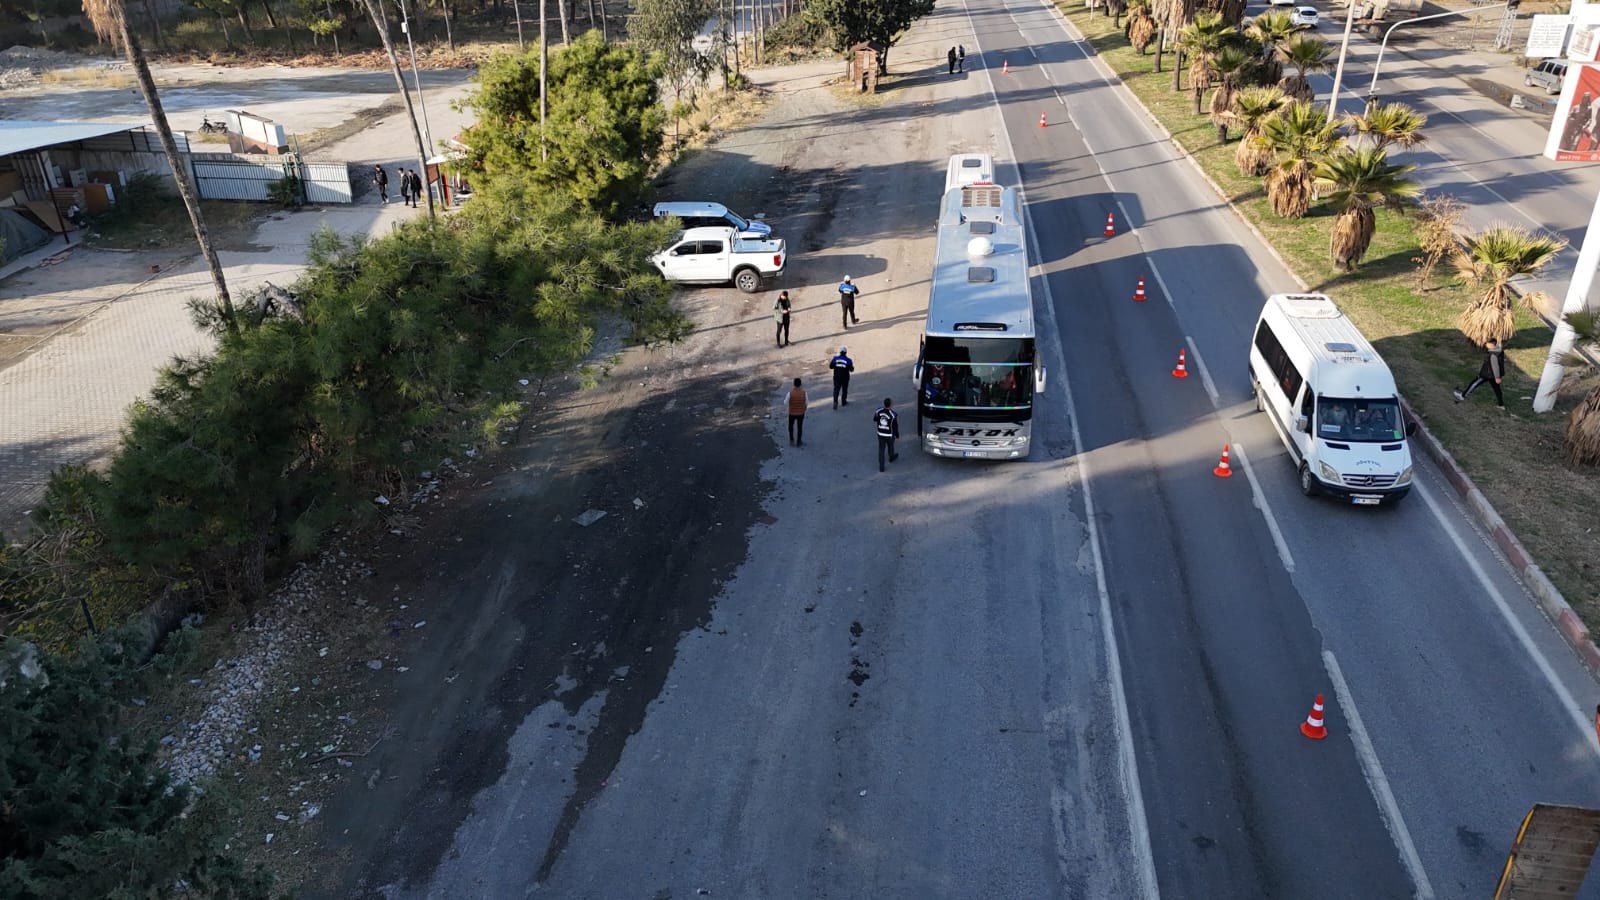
[1227,636]
[782,674]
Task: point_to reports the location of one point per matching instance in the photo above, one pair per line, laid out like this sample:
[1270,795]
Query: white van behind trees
[1332,401]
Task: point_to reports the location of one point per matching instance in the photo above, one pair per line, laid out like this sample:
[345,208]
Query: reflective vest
[885,418]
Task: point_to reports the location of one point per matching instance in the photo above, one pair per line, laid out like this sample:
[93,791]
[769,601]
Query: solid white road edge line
[1205,373]
[1580,718]
[1378,782]
[1260,498]
[1138,824]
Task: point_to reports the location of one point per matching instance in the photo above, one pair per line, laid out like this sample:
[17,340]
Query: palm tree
[1273,30]
[1251,108]
[1299,135]
[1361,179]
[1231,63]
[1583,423]
[1140,29]
[1494,257]
[1388,124]
[1306,54]
[1202,38]
[382,24]
[110,21]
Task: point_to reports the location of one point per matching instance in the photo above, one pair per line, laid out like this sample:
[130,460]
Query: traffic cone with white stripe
[1005,67]
[1181,371]
[1041,120]
[1223,470]
[1111,224]
[1312,727]
[1138,292]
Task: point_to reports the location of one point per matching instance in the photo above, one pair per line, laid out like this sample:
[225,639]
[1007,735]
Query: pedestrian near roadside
[780,315]
[381,179]
[848,292]
[951,58]
[842,365]
[416,187]
[961,57]
[887,421]
[797,415]
[405,188]
[1492,372]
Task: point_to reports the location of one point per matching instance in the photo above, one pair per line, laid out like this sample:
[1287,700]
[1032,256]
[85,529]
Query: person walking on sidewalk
[961,57]
[951,59]
[887,421]
[381,179]
[842,365]
[416,187]
[780,315]
[848,292]
[1492,372]
[797,415]
[405,187]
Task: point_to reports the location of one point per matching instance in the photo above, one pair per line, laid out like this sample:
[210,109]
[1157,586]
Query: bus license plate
[1366,501]
[972,453]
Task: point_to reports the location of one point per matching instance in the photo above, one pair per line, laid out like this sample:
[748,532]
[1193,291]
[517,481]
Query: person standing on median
[887,421]
[842,365]
[848,292]
[780,315]
[1493,372]
[797,415]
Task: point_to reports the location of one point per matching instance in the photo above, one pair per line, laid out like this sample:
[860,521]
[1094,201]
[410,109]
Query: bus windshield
[977,373]
[1358,420]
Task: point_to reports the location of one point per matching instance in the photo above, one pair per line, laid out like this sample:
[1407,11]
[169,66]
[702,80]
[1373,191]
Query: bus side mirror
[1302,423]
[916,374]
[1038,380]
[1411,428]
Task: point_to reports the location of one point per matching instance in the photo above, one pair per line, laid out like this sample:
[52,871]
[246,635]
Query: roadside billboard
[1575,132]
[1547,36]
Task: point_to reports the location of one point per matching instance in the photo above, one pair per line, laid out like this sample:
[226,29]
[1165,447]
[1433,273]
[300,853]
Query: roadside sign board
[1575,131]
[1547,36]
[1551,854]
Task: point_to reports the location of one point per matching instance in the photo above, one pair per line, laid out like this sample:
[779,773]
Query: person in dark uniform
[887,421]
[381,179]
[1492,372]
[780,315]
[961,58]
[842,365]
[848,293]
[951,57]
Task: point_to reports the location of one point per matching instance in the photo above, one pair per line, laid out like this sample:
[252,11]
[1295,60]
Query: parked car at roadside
[1548,74]
[1303,15]
[721,255]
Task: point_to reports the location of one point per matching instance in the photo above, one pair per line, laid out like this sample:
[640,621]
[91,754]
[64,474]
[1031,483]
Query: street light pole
[1338,72]
[1577,299]
[416,77]
[1372,90]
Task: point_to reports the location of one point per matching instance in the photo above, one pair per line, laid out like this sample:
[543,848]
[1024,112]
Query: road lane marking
[1205,373]
[1128,763]
[1580,718]
[1260,498]
[1378,782]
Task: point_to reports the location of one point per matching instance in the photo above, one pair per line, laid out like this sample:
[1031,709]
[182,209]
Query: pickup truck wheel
[1308,481]
[747,280]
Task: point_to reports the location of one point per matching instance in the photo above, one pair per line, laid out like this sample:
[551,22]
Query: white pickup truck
[720,255]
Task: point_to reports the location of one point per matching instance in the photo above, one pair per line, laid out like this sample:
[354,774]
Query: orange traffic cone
[1223,470]
[1312,727]
[1111,224]
[1041,120]
[1181,371]
[1005,67]
[1138,292]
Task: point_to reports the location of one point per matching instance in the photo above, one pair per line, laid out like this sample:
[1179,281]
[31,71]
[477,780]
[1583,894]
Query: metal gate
[242,176]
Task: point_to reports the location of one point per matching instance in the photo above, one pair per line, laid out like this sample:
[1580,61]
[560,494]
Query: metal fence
[241,176]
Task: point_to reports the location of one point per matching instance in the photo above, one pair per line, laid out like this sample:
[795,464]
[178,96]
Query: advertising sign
[1575,133]
[1547,36]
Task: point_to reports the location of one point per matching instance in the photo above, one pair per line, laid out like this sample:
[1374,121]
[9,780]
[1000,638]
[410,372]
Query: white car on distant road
[1304,15]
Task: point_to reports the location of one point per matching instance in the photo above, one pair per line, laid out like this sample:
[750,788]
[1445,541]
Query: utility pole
[416,81]
[1338,72]
[544,84]
[1576,301]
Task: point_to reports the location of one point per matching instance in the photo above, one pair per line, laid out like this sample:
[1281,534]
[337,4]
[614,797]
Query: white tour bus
[978,369]
[1332,401]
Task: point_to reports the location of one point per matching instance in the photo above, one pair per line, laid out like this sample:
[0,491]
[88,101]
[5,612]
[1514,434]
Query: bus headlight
[1404,479]
[1329,473]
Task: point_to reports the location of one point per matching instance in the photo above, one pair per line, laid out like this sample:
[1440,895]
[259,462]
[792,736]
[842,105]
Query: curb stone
[1545,594]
